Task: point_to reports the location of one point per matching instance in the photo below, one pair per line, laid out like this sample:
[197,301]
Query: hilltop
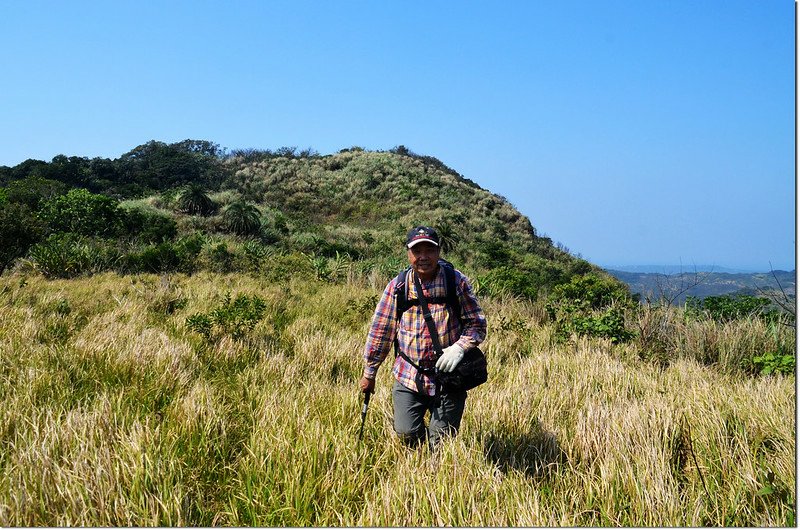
[299,208]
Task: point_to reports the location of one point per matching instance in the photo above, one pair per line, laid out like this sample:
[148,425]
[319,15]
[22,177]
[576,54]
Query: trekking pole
[363,415]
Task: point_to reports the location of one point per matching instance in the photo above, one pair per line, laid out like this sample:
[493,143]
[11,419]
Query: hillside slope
[355,205]
[386,193]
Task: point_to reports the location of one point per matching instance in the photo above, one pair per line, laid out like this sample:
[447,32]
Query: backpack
[403,304]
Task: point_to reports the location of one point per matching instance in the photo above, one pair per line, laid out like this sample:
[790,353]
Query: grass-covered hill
[191,205]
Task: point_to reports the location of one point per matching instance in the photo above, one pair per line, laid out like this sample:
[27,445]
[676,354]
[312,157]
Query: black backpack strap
[452,295]
[432,331]
[401,294]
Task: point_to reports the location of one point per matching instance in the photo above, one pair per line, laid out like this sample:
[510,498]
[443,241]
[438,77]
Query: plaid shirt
[412,332]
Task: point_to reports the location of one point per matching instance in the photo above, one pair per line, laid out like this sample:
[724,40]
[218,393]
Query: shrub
[775,363]
[82,212]
[194,200]
[148,227]
[507,281]
[19,229]
[234,318]
[156,258]
[165,256]
[587,292]
[256,254]
[609,324]
[591,305]
[220,258]
[726,308]
[69,255]
[242,218]
[34,191]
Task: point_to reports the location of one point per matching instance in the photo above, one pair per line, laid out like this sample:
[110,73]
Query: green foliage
[242,218]
[67,255]
[194,200]
[490,254]
[591,305]
[221,258]
[727,308]
[355,203]
[19,229]
[779,352]
[328,269]
[507,281]
[775,363]
[256,254]
[234,318]
[158,166]
[148,227]
[589,291]
[33,191]
[82,212]
[178,256]
[609,323]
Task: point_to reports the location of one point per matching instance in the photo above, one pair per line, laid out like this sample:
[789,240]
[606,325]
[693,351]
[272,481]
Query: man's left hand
[450,358]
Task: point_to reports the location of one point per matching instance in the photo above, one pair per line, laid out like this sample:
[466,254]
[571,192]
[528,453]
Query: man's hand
[450,358]
[367,385]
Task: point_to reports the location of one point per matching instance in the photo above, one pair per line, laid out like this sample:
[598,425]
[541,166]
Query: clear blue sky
[657,132]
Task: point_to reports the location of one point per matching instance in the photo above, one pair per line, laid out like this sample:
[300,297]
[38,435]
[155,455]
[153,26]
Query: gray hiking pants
[409,415]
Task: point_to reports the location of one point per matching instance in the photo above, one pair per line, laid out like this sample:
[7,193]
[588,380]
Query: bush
[242,219]
[148,227]
[609,324]
[195,201]
[727,308]
[69,255]
[234,318]
[165,257]
[34,191]
[591,305]
[84,213]
[220,258]
[775,363]
[508,281]
[19,229]
[588,292]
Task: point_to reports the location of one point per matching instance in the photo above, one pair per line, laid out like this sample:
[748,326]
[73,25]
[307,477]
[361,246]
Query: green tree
[82,212]
[19,230]
[242,218]
[33,191]
[157,165]
[194,200]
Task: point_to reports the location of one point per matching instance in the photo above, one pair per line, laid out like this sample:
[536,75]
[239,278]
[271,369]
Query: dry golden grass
[114,413]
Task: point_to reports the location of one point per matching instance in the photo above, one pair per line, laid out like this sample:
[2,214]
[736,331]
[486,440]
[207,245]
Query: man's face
[423,258]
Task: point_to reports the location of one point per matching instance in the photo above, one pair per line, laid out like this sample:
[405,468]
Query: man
[414,391]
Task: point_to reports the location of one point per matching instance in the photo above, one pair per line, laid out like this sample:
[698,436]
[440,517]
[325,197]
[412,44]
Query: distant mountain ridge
[678,287]
[677,269]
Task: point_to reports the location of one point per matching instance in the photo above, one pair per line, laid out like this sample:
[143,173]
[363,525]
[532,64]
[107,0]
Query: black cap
[418,234]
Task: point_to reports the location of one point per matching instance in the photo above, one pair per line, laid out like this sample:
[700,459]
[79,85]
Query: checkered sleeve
[381,332]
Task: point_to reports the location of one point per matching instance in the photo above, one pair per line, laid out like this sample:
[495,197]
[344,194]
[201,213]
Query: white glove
[451,356]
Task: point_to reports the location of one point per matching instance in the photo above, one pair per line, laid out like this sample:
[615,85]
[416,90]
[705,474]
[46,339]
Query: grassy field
[113,412]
